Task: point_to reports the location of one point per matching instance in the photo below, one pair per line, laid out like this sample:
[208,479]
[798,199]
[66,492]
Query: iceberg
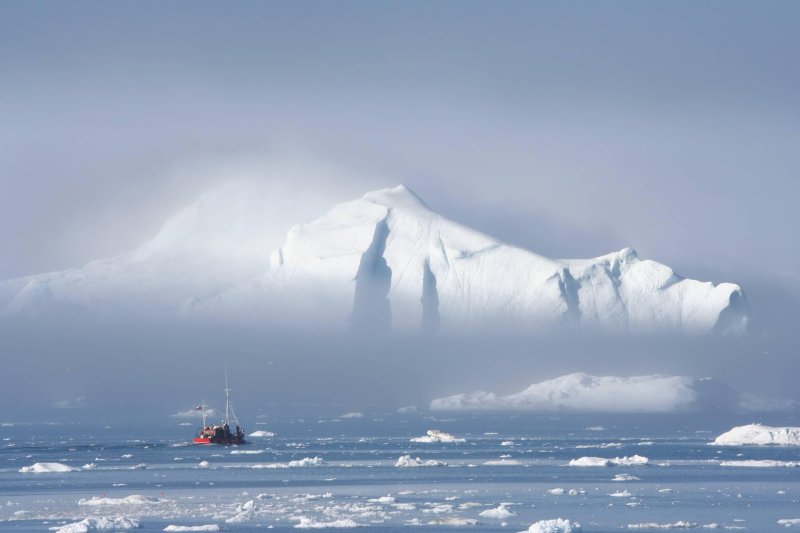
[385,261]
[758,435]
[46,468]
[581,392]
[133,499]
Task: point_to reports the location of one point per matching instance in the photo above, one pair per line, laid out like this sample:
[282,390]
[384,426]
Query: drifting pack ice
[382,262]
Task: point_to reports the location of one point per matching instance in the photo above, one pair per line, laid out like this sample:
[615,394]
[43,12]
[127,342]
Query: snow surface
[756,434]
[587,393]
[434,435]
[385,260]
[556,525]
[46,468]
[408,461]
[634,460]
[98,523]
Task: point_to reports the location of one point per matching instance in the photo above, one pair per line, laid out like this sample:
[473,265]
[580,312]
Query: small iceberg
[406,461]
[98,523]
[46,468]
[634,460]
[434,435]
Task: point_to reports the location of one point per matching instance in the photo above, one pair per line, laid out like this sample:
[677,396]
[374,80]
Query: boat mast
[227,398]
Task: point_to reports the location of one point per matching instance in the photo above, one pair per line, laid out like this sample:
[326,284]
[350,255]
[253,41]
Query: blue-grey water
[356,481]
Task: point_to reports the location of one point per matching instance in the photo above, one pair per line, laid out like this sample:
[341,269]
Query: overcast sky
[572,128]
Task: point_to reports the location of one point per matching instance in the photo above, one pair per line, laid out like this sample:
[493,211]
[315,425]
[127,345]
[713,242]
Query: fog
[571,129]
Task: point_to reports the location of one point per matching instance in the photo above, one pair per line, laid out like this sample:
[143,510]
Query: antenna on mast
[227,398]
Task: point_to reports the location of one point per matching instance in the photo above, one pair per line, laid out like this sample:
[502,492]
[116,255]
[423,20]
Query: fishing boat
[220,434]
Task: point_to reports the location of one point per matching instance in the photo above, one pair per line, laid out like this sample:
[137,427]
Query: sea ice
[96,523]
[764,463]
[133,499]
[500,512]
[206,527]
[453,521]
[556,525]
[756,434]
[46,468]
[634,460]
[434,435]
[408,461]
[310,523]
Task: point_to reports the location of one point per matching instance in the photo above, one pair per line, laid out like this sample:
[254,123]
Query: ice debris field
[393,472]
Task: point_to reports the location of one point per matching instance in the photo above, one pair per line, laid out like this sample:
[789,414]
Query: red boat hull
[233,439]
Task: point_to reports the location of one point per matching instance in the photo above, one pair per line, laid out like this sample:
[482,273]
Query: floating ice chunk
[503,462]
[434,435]
[306,461]
[93,523]
[310,523]
[383,499]
[408,461]
[206,527]
[247,452]
[355,414]
[556,525]
[621,494]
[789,522]
[244,513]
[556,492]
[203,464]
[500,512]
[761,464]
[675,525]
[46,468]
[453,521]
[625,477]
[261,433]
[634,460]
[133,499]
[89,466]
[756,434]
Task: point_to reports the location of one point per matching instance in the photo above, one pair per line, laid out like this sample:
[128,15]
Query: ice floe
[408,461]
[634,460]
[434,435]
[764,463]
[625,477]
[500,512]
[453,521]
[206,527]
[46,468]
[756,434]
[133,499]
[98,523]
[306,461]
[310,523]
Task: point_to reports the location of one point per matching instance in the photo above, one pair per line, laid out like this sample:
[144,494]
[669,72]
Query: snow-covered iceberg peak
[385,261]
[582,392]
[758,435]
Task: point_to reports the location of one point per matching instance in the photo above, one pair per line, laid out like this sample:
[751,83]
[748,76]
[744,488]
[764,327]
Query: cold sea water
[510,472]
